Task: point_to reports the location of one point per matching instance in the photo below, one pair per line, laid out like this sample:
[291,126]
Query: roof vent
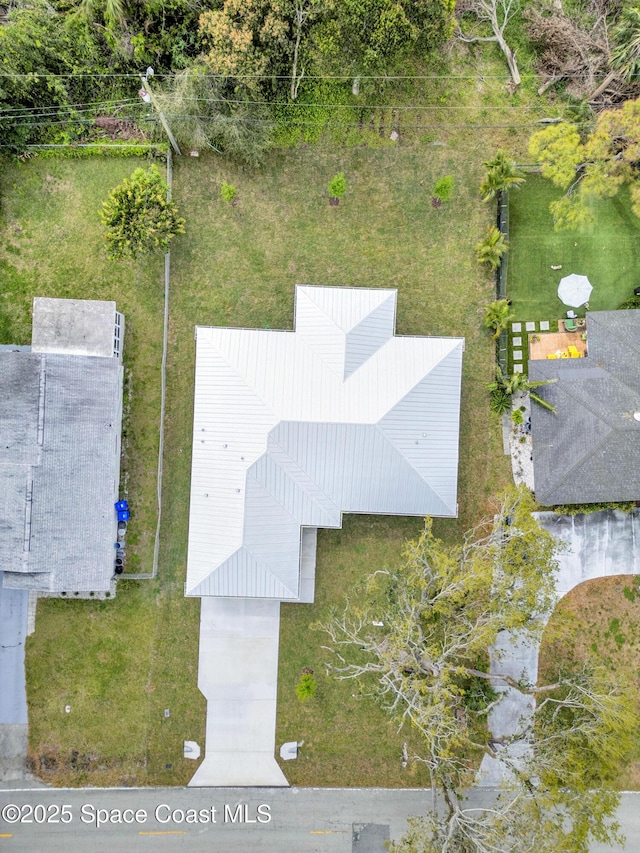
[636,416]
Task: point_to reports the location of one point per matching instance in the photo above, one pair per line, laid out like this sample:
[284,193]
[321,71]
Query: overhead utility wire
[54,111]
[345,77]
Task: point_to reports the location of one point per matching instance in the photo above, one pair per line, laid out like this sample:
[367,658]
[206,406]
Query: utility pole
[147,95]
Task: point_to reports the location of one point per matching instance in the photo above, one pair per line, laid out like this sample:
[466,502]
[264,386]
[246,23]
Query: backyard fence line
[502,217]
[163,389]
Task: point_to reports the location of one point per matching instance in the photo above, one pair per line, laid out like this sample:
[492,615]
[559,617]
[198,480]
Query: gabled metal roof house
[292,429]
[60,423]
[589,452]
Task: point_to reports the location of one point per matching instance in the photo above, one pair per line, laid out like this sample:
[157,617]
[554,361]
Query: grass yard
[599,622]
[120,664]
[238,266]
[606,253]
[115,662]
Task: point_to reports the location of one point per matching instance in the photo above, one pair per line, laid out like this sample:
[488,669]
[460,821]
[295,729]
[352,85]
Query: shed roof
[291,429]
[589,452]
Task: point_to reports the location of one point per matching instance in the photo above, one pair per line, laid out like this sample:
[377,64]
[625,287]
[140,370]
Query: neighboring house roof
[60,423]
[589,452]
[291,429]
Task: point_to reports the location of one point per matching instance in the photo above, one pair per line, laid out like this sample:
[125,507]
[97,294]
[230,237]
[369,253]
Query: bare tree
[418,640]
[497,13]
[304,12]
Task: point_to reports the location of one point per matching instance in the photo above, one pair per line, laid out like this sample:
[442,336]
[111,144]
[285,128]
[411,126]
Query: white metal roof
[291,429]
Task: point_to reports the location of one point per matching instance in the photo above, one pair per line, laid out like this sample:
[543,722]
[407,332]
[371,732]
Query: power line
[87,104]
[288,77]
[69,108]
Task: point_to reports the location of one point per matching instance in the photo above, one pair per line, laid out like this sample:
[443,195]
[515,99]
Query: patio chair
[570,324]
[573,351]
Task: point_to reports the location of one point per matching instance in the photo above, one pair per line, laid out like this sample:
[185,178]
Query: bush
[500,401]
[633,302]
[442,188]
[139,217]
[228,192]
[585,509]
[307,685]
[337,186]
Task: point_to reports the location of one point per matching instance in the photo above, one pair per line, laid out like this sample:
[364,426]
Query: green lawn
[121,663]
[606,252]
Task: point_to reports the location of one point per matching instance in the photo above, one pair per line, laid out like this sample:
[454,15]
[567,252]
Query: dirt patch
[52,184]
[119,128]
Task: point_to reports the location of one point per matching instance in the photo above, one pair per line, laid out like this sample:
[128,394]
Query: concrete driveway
[13,693]
[597,545]
[238,675]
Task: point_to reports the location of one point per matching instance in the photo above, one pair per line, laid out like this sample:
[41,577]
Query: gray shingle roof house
[292,429]
[589,452]
[60,423]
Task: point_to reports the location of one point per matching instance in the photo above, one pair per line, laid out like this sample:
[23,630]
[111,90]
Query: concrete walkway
[238,675]
[597,545]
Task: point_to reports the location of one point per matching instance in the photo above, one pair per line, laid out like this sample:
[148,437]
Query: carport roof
[291,429]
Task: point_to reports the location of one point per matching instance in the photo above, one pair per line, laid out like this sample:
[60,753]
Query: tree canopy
[597,167]
[418,638]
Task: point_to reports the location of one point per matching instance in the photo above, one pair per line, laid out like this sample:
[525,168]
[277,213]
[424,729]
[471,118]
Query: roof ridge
[268,572]
[570,471]
[297,482]
[397,450]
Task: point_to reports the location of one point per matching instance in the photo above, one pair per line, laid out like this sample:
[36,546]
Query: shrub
[228,192]
[139,217]
[633,302]
[337,186]
[492,248]
[307,685]
[442,188]
[500,401]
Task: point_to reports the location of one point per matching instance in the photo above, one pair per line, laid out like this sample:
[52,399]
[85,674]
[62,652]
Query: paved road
[264,820]
[269,820]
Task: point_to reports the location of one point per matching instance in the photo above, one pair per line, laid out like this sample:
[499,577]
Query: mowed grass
[238,266]
[119,665]
[606,252]
[113,663]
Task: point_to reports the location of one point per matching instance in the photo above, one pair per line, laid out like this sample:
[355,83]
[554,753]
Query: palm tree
[497,315]
[501,176]
[492,248]
[508,385]
[625,55]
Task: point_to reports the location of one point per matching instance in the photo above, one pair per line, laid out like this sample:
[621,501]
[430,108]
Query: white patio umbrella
[574,290]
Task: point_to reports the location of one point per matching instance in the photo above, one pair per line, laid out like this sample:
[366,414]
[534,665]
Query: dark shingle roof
[589,452]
